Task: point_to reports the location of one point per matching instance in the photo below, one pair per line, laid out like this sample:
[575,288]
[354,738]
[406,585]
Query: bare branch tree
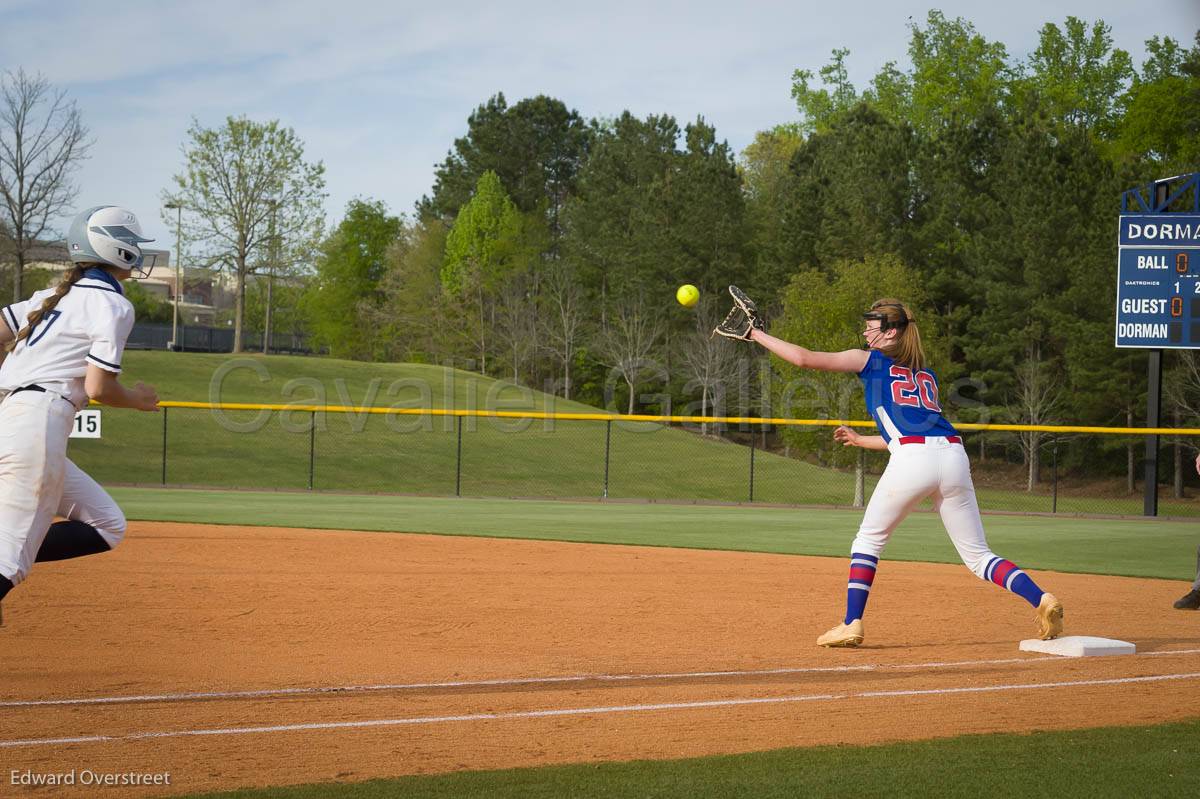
[1182,388]
[42,141]
[244,187]
[626,343]
[1182,392]
[709,359]
[1035,402]
[515,323]
[561,326]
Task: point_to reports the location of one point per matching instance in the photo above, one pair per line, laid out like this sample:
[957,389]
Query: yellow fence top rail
[615,417]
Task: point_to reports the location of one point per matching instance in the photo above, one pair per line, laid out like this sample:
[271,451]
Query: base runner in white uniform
[62,347]
[927,456]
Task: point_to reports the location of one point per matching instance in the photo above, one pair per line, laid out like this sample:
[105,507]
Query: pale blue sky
[378,90]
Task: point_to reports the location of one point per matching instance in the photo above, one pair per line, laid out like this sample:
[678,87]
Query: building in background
[202,294]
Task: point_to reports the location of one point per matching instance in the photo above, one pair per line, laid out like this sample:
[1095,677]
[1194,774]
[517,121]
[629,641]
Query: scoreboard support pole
[1153,418]
[1153,398]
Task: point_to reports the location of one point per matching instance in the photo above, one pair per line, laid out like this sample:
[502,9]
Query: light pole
[272,255]
[178,208]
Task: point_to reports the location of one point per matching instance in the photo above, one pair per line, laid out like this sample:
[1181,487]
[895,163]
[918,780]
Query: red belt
[921,439]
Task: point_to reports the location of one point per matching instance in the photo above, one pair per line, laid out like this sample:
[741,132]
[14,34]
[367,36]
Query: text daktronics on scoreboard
[1158,281]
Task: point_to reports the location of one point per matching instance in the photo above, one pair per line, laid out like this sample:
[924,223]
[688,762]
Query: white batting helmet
[108,234]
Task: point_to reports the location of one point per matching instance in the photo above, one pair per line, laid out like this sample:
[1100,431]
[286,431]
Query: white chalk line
[519,681]
[588,711]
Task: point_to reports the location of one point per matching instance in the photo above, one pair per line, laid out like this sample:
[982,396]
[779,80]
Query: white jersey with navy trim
[904,402]
[89,325]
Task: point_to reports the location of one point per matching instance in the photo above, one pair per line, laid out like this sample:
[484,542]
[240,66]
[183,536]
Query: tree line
[981,188]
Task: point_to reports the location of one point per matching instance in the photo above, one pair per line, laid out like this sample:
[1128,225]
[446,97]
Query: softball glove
[742,318]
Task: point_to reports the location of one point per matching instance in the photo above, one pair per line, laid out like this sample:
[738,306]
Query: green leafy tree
[819,108]
[1161,123]
[709,208]
[890,93]
[290,314]
[954,212]
[351,263]
[249,199]
[956,74]
[1045,262]
[483,248]
[1079,74]
[851,192]
[619,223]
[410,315]
[765,175]
[649,216]
[146,307]
[536,147]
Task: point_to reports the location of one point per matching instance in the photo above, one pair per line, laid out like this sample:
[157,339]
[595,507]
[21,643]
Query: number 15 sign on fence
[1158,281]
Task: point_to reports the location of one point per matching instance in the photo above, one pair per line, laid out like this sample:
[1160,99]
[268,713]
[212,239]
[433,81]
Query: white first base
[1078,646]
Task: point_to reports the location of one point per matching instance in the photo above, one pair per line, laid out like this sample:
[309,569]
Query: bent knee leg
[111,527]
[85,501]
[960,516]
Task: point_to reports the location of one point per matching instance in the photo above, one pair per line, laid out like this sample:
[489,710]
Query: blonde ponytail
[69,279]
[906,349]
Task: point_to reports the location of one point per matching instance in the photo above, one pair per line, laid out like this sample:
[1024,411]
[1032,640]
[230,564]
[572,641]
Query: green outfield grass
[1111,762]
[1142,548]
[407,455]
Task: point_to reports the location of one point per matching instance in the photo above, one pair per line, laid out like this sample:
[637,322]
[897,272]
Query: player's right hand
[145,397]
[847,436]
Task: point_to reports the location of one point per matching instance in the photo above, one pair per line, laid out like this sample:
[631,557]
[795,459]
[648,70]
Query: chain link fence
[590,458]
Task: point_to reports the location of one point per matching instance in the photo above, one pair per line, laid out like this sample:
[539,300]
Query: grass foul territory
[1116,762]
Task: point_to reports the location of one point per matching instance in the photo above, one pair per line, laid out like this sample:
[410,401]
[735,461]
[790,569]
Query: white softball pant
[38,482]
[938,469]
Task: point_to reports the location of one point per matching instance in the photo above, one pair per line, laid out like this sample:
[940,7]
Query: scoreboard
[1158,281]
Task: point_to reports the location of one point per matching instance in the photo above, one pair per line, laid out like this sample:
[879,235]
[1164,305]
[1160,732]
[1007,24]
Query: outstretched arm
[844,361]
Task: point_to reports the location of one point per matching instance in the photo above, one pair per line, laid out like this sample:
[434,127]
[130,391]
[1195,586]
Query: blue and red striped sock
[862,574]
[1005,574]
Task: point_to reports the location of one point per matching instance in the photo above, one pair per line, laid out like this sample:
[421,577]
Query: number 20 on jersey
[914,390]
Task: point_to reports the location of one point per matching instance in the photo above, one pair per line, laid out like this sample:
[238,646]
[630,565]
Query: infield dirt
[636,633]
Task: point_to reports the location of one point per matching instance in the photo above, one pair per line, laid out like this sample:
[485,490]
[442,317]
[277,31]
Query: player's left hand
[847,436]
[145,398]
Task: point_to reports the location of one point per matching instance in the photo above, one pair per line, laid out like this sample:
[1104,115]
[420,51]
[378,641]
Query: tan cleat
[1049,617]
[843,635]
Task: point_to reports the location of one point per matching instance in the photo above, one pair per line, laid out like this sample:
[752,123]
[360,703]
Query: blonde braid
[69,280]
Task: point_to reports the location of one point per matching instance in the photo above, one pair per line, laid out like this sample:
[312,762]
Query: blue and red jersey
[902,401]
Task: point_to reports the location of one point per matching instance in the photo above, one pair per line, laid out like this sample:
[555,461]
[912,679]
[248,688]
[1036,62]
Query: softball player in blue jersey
[61,348]
[927,456]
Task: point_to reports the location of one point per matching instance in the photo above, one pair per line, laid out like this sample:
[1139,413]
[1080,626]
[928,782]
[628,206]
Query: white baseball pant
[38,481]
[938,469]
[34,427]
